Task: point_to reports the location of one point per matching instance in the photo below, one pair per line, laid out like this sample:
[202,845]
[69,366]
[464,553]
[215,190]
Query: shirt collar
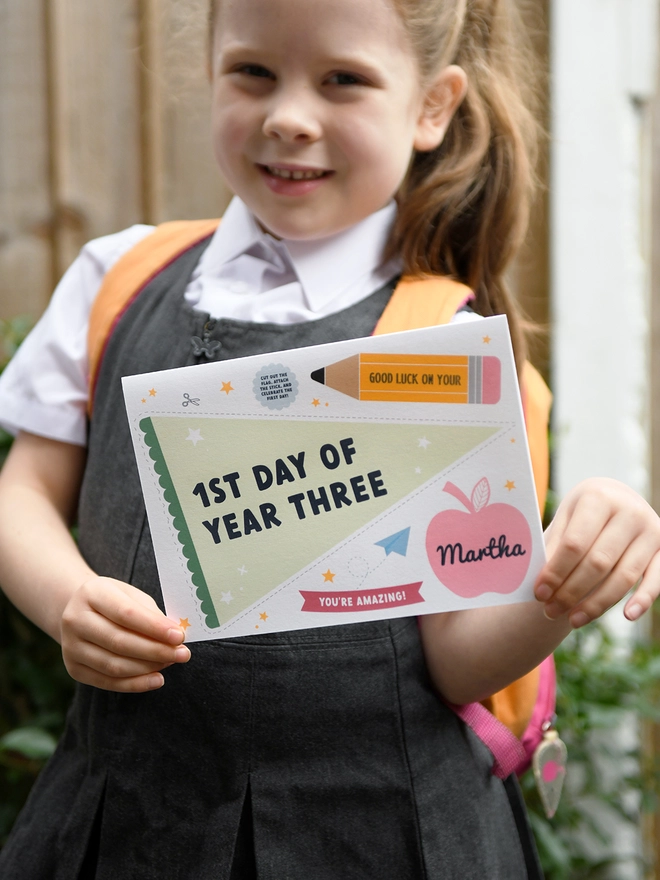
[324,267]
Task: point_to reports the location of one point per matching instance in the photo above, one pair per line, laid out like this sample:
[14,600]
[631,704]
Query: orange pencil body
[415,378]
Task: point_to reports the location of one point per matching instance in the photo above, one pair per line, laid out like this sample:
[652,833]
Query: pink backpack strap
[507,749]
[543,716]
[513,755]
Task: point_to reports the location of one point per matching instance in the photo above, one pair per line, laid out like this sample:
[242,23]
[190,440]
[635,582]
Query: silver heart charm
[549,765]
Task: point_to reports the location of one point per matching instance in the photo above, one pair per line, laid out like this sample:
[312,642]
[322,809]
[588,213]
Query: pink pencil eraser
[491,381]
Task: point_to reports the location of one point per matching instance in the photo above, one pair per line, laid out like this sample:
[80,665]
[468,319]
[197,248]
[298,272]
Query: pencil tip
[319,375]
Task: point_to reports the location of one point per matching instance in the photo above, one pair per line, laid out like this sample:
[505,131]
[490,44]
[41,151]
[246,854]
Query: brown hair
[464,207]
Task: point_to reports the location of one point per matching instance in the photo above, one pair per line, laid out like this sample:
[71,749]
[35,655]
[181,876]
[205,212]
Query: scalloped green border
[179,523]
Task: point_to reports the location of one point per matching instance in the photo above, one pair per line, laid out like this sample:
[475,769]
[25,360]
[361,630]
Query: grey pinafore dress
[320,754]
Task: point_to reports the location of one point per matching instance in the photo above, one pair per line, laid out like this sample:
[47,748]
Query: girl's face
[317,107]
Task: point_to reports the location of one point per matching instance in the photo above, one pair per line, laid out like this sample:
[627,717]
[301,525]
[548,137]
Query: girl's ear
[442,99]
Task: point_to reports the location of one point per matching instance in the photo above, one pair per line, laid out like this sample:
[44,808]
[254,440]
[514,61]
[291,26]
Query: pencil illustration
[410,378]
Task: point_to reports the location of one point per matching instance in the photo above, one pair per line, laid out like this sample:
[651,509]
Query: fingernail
[552,611]
[634,612]
[543,593]
[156,680]
[174,636]
[579,619]
[182,654]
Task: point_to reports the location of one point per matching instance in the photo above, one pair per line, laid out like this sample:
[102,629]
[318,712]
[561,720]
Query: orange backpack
[415,303]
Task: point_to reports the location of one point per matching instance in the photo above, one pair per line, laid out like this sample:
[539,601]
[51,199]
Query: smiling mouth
[288,174]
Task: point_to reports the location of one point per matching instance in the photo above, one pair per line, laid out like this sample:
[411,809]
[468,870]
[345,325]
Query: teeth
[294,175]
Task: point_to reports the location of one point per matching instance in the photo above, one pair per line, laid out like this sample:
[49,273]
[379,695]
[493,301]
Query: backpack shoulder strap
[130,275]
[422,302]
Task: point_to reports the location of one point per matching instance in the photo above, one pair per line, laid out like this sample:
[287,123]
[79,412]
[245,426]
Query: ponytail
[464,207]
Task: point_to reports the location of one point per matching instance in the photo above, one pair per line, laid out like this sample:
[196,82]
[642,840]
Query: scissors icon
[188,399]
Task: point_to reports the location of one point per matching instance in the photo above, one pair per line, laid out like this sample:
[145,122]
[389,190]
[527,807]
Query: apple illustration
[486,550]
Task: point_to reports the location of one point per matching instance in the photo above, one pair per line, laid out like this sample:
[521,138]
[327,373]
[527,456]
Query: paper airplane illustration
[396,543]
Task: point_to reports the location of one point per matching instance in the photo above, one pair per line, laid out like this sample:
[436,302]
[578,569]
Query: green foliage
[35,690]
[34,686]
[601,689]
[31,742]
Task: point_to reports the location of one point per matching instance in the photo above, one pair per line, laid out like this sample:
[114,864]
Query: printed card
[374,478]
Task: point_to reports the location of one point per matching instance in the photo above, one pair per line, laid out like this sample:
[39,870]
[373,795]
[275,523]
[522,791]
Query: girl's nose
[290,118]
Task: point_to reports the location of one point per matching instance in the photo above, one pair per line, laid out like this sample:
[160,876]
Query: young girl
[363,138]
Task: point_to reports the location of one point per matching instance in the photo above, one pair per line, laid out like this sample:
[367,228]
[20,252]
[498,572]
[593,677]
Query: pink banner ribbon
[362,600]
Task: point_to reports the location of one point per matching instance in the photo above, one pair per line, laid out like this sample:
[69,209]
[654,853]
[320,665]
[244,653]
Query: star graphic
[194,436]
[263,616]
[509,485]
[184,623]
[329,576]
[327,404]
[418,470]
[423,443]
[227,598]
[227,387]
[487,340]
[144,400]
[513,439]
[242,570]
[152,392]
[316,402]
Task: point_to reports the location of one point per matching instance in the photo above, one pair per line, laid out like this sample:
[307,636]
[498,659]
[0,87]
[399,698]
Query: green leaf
[600,686]
[32,742]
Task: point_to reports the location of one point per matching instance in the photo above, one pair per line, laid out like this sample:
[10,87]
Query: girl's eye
[255,70]
[345,79]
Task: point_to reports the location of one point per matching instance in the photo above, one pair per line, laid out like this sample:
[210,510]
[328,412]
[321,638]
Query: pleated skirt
[321,754]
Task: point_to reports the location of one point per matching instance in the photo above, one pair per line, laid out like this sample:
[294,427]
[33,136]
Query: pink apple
[487,550]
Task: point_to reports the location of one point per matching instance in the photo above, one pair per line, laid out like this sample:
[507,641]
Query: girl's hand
[603,540]
[115,637]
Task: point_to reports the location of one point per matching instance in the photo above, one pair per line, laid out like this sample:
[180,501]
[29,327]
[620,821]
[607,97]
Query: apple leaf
[481,494]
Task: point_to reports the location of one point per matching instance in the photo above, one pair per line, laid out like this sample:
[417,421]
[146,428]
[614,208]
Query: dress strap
[130,275]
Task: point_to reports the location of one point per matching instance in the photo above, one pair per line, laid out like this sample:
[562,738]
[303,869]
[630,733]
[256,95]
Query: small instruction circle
[275,386]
